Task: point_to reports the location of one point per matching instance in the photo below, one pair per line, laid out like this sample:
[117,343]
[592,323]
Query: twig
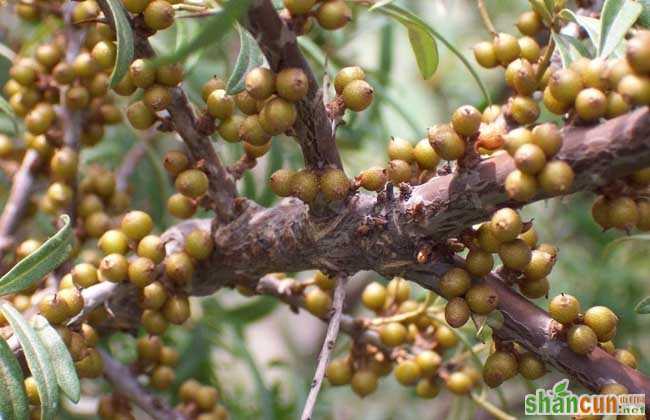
[485,16]
[244,164]
[132,159]
[491,408]
[328,346]
[126,383]
[545,61]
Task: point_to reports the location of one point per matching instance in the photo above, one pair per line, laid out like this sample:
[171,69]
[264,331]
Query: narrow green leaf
[125,49]
[185,30]
[643,307]
[46,258]
[123,347]
[66,374]
[616,18]
[38,361]
[13,401]
[589,24]
[379,4]
[211,31]
[632,238]
[249,57]
[6,108]
[550,5]
[540,7]
[644,19]
[570,48]
[403,15]
[425,50]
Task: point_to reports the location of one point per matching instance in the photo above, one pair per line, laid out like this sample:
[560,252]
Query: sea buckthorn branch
[222,189]
[21,189]
[126,383]
[313,129]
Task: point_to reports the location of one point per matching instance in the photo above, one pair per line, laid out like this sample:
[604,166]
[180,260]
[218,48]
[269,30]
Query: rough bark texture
[313,129]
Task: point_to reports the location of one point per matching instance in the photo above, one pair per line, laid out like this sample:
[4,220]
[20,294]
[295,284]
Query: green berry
[54,309]
[84,275]
[521,186]
[179,267]
[334,184]
[556,178]
[534,289]
[299,7]
[72,299]
[304,185]
[153,296]
[281,182]
[482,298]
[565,84]
[524,110]
[157,97]
[506,224]
[393,334]
[638,52]
[399,171]
[135,6]
[515,254]
[210,86]
[591,104]
[141,272]
[478,262]
[374,296]
[407,372]
[140,116]
[428,361]
[260,83]
[347,75]
[540,265]
[374,179]
[277,116]
[252,132]
[506,48]
[176,309]
[485,55]
[339,372]
[199,244]
[176,162]
[454,283]
[499,367]
[623,213]
[548,137]
[581,339]
[114,268]
[564,308]
[153,322]
[114,242]
[530,159]
[192,183]
[230,127]
[317,302]
[602,321]
[170,74]
[466,120]
[292,84]
[181,206]
[220,104]
[446,142]
[136,224]
[399,148]
[530,49]
[158,15]
[142,73]
[364,382]
[457,312]
[459,383]
[529,23]
[358,95]
[425,156]
[333,14]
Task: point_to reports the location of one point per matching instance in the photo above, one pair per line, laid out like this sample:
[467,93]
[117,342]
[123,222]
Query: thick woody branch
[21,189]
[222,190]
[126,383]
[313,129]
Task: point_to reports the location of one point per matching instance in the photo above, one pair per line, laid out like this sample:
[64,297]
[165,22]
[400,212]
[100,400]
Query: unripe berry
[246,103]
[393,334]
[553,105]
[486,239]
[304,185]
[517,138]
[399,148]
[220,105]
[141,272]
[530,159]
[153,322]
[364,382]
[162,377]
[551,250]
[54,309]
[280,182]
[540,265]
[617,105]
[292,84]
[154,296]
[252,132]
[63,164]
[176,309]
[333,14]
[176,162]
[142,73]
[506,48]
[77,97]
[140,116]
[210,86]
[199,244]
[530,367]
[459,383]
[230,127]
[638,52]
[114,267]
[529,23]
[324,281]
[96,224]
[515,254]
[446,142]
[24,74]
[347,75]
[623,213]
[581,339]
[260,83]
[152,247]
[179,267]
[428,361]
[478,262]
[84,275]
[192,183]
[104,53]
[445,337]
[135,6]
[556,178]
[602,321]
[506,224]
[398,289]
[457,312]
[530,49]
[181,206]
[374,296]
[374,179]
[114,241]
[548,137]
[591,104]
[188,390]
[358,95]
[524,110]
[157,97]
[485,55]
[534,289]
[317,302]
[136,224]
[425,156]
[626,357]
[466,120]
[521,186]
[454,283]
[499,367]
[482,299]
[277,116]
[399,171]
[407,372]
[339,372]
[334,184]
[564,308]
[169,356]
[565,84]
[158,15]
[299,7]
[170,74]
[426,388]
[635,89]
[125,87]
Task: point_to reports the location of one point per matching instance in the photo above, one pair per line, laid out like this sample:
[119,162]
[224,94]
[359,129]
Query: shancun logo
[560,400]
